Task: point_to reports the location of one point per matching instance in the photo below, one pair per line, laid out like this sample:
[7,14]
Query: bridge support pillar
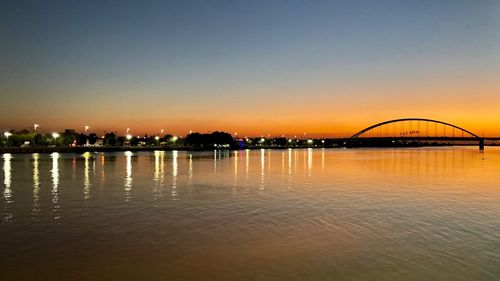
[481,144]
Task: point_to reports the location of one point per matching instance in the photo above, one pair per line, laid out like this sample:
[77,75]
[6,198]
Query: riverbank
[83,149]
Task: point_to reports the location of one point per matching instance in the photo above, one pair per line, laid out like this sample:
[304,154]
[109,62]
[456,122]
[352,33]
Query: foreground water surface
[325,214]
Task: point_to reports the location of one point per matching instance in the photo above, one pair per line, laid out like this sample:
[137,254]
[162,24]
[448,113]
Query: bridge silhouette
[412,130]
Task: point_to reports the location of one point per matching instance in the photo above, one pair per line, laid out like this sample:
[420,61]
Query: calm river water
[325,214]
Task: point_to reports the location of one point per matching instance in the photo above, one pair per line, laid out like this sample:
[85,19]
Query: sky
[327,68]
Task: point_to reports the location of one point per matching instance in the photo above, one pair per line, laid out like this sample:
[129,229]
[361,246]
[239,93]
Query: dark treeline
[206,141]
[201,141]
[69,140]
[27,138]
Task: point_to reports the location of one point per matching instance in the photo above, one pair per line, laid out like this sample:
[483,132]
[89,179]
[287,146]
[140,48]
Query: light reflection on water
[175,154]
[159,176]
[86,176]
[128,178]
[7,191]
[311,214]
[55,186]
[36,185]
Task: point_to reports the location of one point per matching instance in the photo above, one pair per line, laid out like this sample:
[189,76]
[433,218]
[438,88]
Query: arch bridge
[412,129]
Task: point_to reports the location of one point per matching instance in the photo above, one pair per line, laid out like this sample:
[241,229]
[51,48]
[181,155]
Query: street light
[86,128]
[128,130]
[157,138]
[129,136]
[35,126]
[7,135]
[55,136]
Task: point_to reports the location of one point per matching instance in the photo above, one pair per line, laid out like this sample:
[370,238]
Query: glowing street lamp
[7,135]
[174,138]
[129,136]
[128,130]
[55,136]
[161,131]
[157,138]
[86,128]
[35,126]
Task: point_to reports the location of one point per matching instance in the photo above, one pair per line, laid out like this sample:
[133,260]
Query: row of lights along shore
[128,136]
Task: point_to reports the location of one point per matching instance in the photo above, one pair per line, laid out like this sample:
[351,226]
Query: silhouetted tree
[280,141]
[81,139]
[110,139]
[92,139]
[198,140]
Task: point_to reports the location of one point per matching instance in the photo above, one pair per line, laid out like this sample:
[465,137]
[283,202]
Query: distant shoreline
[59,149]
[82,149]
[28,150]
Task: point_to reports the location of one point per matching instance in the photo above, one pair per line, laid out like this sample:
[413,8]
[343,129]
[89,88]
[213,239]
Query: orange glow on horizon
[326,111]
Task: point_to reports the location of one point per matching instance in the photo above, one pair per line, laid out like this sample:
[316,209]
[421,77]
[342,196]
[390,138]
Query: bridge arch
[358,134]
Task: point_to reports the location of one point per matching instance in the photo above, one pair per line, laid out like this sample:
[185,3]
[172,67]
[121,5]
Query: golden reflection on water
[269,160]
[128,176]
[36,185]
[175,155]
[103,176]
[190,169]
[159,175]
[215,162]
[322,158]
[401,206]
[272,168]
[7,192]
[309,161]
[55,185]
[247,162]
[262,170]
[86,176]
[235,167]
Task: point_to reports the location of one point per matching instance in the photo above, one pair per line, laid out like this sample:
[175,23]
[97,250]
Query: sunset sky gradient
[328,68]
